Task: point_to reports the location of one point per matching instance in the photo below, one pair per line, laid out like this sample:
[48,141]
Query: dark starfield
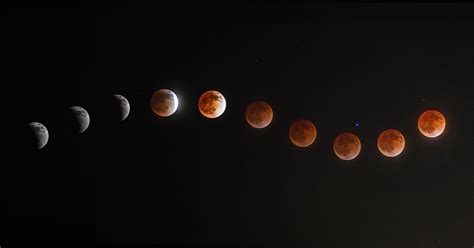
[189,181]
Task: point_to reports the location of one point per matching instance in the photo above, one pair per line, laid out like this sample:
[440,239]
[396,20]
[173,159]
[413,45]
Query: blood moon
[391,142]
[212,104]
[259,114]
[347,146]
[303,133]
[431,123]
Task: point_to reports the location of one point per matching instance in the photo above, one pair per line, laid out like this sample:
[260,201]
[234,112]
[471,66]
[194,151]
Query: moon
[124,106]
[164,102]
[259,114]
[431,123]
[347,146]
[303,133]
[391,142]
[212,104]
[82,118]
[40,133]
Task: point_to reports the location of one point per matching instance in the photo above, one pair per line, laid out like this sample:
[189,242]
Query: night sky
[190,181]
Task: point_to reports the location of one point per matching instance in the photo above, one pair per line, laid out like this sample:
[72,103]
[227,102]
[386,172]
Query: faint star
[357,124]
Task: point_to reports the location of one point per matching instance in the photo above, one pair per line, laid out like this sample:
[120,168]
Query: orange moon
[431,123]
[391,142]
[347,146]
[303,133]
[164,102]
[259,114]
[212,104]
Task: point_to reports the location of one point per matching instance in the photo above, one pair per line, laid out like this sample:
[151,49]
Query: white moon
[124,106]
[82,118]
[41,134]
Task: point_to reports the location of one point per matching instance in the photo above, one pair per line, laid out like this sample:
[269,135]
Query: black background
[191,181]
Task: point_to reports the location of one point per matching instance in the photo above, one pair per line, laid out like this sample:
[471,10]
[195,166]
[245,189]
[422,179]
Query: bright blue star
[357,124]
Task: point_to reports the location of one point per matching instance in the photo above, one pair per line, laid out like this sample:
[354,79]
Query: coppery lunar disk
[347,146]
[212,104]
[164,103]
[431,123]
[259,114]
[303,133]
[391,142]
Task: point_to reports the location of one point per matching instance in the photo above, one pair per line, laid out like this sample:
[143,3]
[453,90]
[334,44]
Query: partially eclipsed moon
[212,104]
[82,118]
[124,106]
[391,143]
[431,123]
[303,133]
[347,146]
[40,133]
[259,114]
[164,103]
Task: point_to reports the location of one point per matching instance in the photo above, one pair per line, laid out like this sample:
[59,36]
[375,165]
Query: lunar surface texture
[391,143]
[259,114]
[212,104]
[303,133]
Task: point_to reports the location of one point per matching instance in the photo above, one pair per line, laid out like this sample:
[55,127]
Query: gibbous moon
[124,106]
[82,118]
[40,133]
[347,146]
[212,104]
[164,103]
[391,142]
[259,114]
[431,123]
[303,133]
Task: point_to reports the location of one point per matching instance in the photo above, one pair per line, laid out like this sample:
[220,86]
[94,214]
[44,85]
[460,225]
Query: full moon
[303,133]
[431,123]
[124,106]
[391,143]
[212,104]
[259,114]
[82,118]
[347,146]
[164,103]
[40,133]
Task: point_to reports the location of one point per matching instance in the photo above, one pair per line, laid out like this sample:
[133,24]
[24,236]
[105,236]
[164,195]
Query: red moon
[212,104]
[347,146]
[431,123]
[391,143]
[303,133]
[259,114]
